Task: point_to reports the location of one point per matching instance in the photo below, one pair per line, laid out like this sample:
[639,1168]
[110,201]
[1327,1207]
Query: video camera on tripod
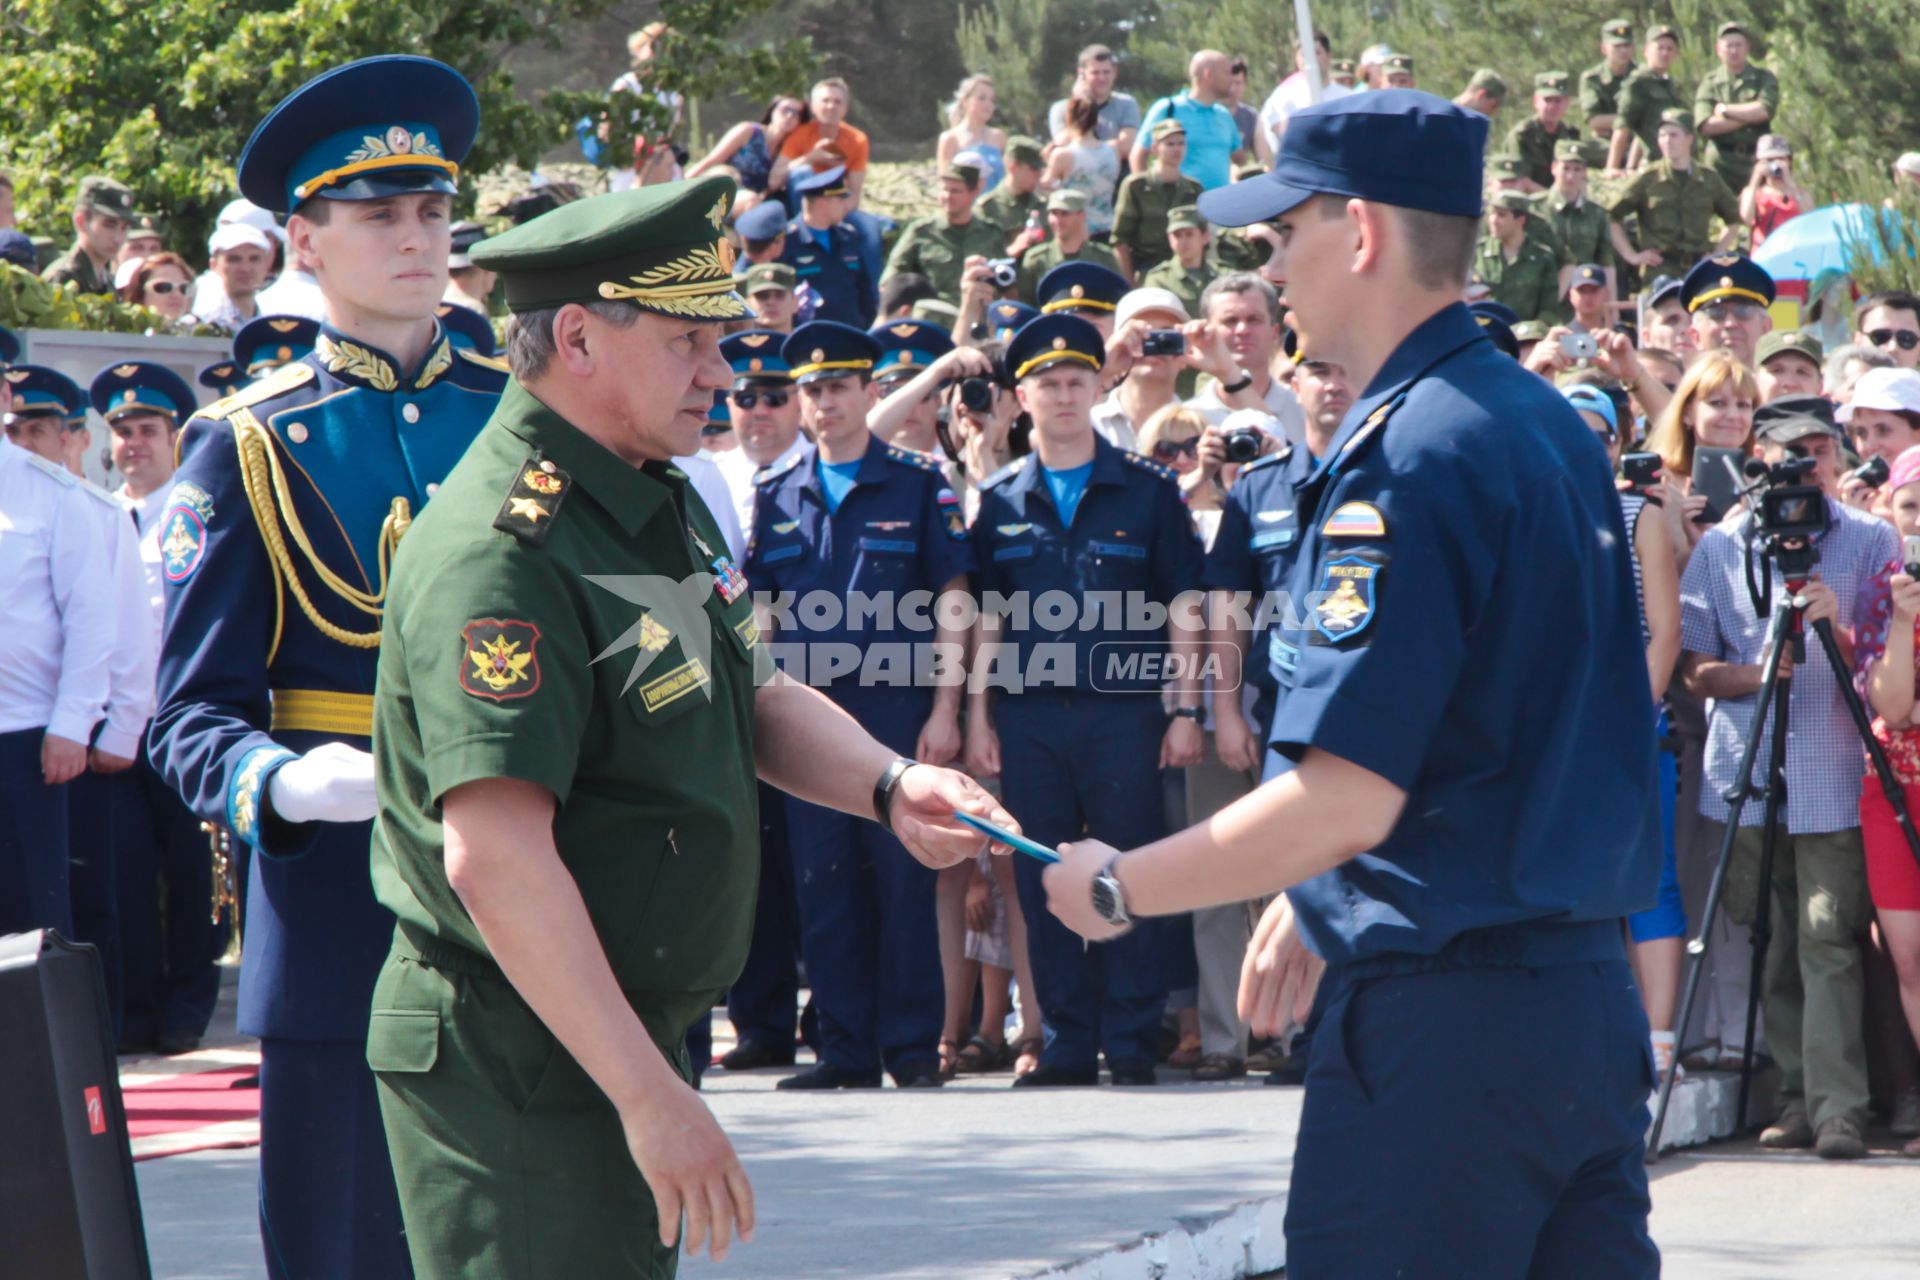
[1789,514]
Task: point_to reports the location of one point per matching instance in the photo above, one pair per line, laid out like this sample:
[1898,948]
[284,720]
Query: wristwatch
[1196,714]
[883,792]
[1109,899]
[1238,385]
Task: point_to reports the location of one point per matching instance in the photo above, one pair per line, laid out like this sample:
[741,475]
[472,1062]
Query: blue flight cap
[9,347]
[1588,273]
[141,386]
[378,127]
[908,346]
[40,390]
[827,182]
[1080,286]
[755,355]
[223,376]
[827,349]
[1663,287]
[467,328]
[1594,400]
[1726,275]
[762,222]
[1005,317]
[1496,320]
[1394,146]
[1048,340]
[264,343]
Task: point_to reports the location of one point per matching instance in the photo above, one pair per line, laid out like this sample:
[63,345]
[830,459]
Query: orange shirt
[850,144]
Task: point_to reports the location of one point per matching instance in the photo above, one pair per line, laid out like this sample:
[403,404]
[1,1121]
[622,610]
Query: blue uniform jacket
[1471,635]
[1253,551]
[898,530]
[835,271]
[1131,540]
[308,475]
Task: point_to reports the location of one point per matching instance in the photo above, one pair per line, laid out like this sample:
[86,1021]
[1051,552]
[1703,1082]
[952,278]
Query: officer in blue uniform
[907,347]
[824,251]
[1497,319]
[1080,741]
[1085,289]
[467,329]
[266,343]
[1468,817]
[275,544]
[222,377]
[854,515]
[1005,317]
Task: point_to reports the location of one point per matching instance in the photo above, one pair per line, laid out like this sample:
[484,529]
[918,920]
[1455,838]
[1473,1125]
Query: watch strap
[883,791]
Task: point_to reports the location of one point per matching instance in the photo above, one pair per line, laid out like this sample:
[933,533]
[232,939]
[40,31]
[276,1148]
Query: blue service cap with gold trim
[1726,275]
[756,355]
[1080,286]
[264,343]
[720,413]
[384,126]
[1401,147]
[1005,317]
[908,346]
[39,390]
[825,182]
[9,346]
[222,376]
[141,386]
[1496,320]
[467,328]
[1050,339]
[828,349]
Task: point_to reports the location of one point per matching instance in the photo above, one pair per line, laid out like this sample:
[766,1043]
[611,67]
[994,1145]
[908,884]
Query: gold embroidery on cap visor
[1051,357]
[698,284]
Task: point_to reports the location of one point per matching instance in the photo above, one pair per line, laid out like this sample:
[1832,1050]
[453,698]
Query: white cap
[1908,163]
[1257,419]
[247,213]
[1771,147]
[235,234]
[1139,300]
[123,274]
[1891,390]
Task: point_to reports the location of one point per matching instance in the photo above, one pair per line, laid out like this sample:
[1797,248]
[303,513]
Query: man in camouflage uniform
[938,246]
[1534,138]
[1676,200]
[1579,223]
[1646,94]
[1515,269]
[1600,84]
[1734,104]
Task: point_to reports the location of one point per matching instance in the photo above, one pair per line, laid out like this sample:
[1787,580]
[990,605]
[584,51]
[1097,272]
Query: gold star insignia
[528,509]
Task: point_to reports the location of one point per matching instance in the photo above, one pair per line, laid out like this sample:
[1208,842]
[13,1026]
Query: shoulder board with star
[766,475]
[277,383]
[539,487]
[66,478]
[1002,475]
[1148,465]
[914,458]
[494,363]
[1268,459]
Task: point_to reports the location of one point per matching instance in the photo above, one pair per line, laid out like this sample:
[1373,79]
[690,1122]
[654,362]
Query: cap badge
[125,370]
[755,340]
[283,326]
[1726,282]
[1059,344]
[753,365]
[818,355]
[903,330]
[128,396]
[1078,291]
[718,214]
[1726,260]
[906,357]
[284,353]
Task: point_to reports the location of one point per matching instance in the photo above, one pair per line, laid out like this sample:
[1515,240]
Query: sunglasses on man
[1906,339]
[774,399]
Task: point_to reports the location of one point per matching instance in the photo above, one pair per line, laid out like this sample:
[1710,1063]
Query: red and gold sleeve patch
[499,658]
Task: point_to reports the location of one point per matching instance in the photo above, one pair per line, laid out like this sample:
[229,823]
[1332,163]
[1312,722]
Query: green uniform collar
[630,494]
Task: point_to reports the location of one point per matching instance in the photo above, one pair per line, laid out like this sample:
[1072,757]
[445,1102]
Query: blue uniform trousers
[1076,765]
[93,875]
[1484,1123]
[169,942]
[762,1003]
[34,892]
[328,1208]
[867,927]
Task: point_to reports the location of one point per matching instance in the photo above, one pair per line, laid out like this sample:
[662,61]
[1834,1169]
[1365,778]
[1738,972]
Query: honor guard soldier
[58,592]
[855,515]
[175,920]
[1077,734]
[1467,905]
[1084,289]
[290,499]
[571,718]
[467,329]
[266,343]
[907,348]
[1728,296]
[824,251]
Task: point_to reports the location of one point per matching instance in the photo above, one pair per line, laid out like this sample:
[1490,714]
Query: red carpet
[193,1112]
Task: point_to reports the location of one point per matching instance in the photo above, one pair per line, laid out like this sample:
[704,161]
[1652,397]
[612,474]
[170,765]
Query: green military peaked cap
[659,247]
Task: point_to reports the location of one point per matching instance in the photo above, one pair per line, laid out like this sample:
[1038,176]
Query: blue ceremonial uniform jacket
[1131,540]
[1253,551]
[836,272]
[1471,635]
[298,486]
[898,530]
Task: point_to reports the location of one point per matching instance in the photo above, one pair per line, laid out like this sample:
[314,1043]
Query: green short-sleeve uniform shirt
[1009,209]
[1183,284]
[938,250]
[1140,215]
[1580,225]
[1529,282]
[602,645]
[1531,141]
[1676,209]
[1731,154]
[1644,96]
[1600,89]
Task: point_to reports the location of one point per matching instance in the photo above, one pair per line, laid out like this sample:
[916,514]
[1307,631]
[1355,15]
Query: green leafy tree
[1006,39]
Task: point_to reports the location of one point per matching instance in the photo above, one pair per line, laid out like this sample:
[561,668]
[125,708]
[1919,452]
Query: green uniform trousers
[1814,985]
[511,1163]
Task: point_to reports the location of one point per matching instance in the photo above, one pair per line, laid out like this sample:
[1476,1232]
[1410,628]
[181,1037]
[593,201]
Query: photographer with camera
[1772,194]
[1714,408]
[1814,975]
[1153,343]
[973,414]
[1246,309]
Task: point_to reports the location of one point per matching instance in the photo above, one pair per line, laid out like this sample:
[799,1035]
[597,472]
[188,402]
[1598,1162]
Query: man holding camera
[1245,310]
[938,246]
[1814,978]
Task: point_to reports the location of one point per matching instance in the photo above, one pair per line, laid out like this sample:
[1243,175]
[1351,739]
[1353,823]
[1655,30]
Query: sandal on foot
[949,1058]
[1186,1054]
[980,1055]
[1027,1055]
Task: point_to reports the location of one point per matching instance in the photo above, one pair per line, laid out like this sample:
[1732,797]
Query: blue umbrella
[1823,240]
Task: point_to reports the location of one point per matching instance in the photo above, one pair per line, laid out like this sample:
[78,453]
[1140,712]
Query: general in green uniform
[1528,278]
[1730,154]
[1532,140]
[1600,84]
[1016,198]
[1676,207]
[938,247]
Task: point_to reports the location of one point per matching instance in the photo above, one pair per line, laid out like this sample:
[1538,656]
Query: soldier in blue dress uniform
[266,343]
[824,251]
[467,328]
[1080,742]
[1467,817]
[222,377]
[1085,289]
[855,515]
[275,543]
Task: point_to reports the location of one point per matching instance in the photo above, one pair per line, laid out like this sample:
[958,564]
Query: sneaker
[827,1076]
[1906,1116]
[1840,1140]
[1219,1066]
[1790,1132]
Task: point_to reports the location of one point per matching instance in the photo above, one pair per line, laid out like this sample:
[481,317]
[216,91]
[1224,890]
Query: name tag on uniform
[1022,551]
[1272,538]
[1124,550]
[889,546]
[774,555]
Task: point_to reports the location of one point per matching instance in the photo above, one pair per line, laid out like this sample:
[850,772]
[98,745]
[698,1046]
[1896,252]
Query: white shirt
[295,293]
[147,512]
[704,474]
[1280,402]
[1293,94]
[1110,420]
[131,671]
[57,600]
[740,470]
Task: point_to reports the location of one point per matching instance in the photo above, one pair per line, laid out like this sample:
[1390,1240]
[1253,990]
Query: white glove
[331,783]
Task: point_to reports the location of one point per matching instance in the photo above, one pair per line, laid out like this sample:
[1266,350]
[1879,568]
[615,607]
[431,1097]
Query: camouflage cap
[1026,150]
[1506,165]
[1490,82]
[1185,216]
[1164,129]
[1400,62]
[1530,330]
[1552,83]
[1663,31]
[1782,341]
[769,275]
[1569,149]
[99,194]
[1619,31]
[1067,200]
[1732,29]
[1677,116]
[1344,67]
[1512,202]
